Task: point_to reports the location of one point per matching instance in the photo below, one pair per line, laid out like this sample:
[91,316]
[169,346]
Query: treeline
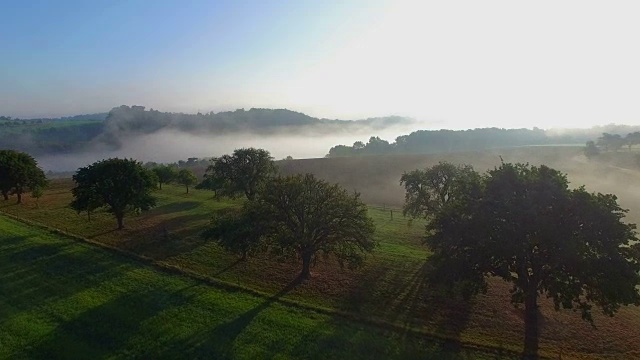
[126,120]
[138,119]
[43,139]
[11,121]
[443,141]
[440,141]
[611,142]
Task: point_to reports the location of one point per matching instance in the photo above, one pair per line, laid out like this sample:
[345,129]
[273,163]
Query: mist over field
[377,178]
[168,146]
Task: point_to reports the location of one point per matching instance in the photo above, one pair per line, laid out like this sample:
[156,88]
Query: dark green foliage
[306,216]
[527,227]
[19,173]
[186,178]
[165,174]
[428,190]
[118,184]
[241,173]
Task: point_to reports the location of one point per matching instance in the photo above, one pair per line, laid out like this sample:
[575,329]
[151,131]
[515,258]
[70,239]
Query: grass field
[62,299]
[389,289]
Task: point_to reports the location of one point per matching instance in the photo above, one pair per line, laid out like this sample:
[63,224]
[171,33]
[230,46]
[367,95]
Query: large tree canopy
[300,216]
[19,173]
[241,173]
[118,184]
[527,227]
[428,190]
[307,216]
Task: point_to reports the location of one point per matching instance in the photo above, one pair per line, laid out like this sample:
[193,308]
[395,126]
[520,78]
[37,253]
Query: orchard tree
[187,178]
[591,150]
[428,190]
[527,227]
[165,174]
[37,193]
[611,141]
[211,183]
[305,216]
[241,173]
[632,139]
[19,174]
[117,184]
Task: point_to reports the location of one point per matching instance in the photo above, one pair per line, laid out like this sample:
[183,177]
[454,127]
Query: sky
[449,64]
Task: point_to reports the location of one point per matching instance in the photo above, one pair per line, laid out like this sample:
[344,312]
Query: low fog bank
[168,146]
[377,178]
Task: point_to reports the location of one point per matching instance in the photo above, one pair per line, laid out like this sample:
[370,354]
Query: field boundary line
[232,287]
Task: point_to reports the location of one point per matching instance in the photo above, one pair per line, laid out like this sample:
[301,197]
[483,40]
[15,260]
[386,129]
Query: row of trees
[20,174]
[611,142]
[167,174]
[524,224]
[294,216]
[440,141]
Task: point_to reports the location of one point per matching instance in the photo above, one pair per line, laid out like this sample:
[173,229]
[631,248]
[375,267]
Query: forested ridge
[76,133]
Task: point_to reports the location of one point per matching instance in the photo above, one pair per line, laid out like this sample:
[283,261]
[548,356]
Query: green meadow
[60,298]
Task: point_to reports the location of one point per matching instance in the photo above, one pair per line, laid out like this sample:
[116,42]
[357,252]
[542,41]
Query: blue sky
[454,64]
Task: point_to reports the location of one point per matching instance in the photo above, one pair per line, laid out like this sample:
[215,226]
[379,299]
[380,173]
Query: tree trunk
[5,194]
[187,186]
[160,184]
[19,197]
[306,266]
[120,218]
[531,330]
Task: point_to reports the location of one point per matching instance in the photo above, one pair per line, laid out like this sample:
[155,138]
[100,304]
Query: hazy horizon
[457,64]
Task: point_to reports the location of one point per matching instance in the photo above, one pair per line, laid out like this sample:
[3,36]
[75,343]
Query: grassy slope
[63,299]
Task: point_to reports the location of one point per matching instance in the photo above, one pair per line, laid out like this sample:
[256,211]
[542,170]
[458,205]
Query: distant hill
[124,123]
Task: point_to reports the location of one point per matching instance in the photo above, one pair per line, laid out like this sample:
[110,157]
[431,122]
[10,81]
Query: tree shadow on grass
[229,267]
[219,342]
[93,236]
[167,238]
[107,329]
[176,206]
[338,338]
[38,274]
[384,292]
